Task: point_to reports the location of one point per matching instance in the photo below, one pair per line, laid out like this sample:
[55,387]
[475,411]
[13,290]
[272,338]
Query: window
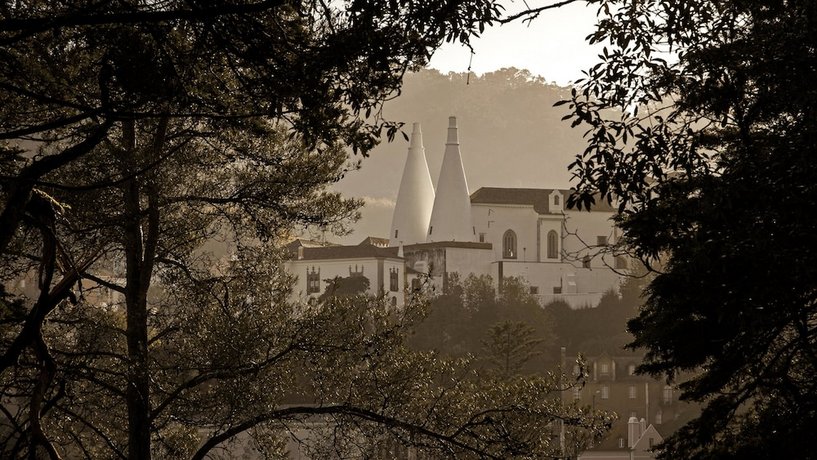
[620,442]
[430,229]
[605,392]
[632,392]
[394,301]
[509,245]
[659,417]
[394,283]
[395,233]
[631,369]
[556,199]
[534,290]
[601,240]
[415,284]
[586,262]
[553,245]
[474,229]
[651,441]
[481,237]
[605,368]
[577,393]
[313,281]
[576,370]
[667,394]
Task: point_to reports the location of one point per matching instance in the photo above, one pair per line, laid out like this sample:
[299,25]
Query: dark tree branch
[20,190]
[31,26]
[341,409]
[532,13]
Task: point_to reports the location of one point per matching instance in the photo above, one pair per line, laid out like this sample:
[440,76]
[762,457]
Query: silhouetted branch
[532,13]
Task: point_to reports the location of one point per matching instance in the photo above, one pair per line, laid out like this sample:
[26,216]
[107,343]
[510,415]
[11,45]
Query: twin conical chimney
[420,214]
[451,216]
[415,198]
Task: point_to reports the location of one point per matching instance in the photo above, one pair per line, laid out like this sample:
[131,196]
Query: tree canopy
[134,135]
[600,329]
[701,126]
[461,322]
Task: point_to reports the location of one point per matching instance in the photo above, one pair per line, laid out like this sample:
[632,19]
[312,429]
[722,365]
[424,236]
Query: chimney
[633,431]
[451,216]
[415,198]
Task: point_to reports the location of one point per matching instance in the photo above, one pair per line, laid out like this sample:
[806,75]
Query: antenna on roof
[468,75]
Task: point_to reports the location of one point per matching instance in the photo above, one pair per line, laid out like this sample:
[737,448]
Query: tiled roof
[363,251]
[536,197]
[447,244]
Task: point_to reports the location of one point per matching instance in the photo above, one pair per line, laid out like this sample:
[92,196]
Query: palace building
[562,254]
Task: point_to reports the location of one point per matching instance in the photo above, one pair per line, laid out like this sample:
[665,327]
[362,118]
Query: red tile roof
[349,252]
[536,197]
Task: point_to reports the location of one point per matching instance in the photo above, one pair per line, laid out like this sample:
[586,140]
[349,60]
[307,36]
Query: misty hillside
[510,136]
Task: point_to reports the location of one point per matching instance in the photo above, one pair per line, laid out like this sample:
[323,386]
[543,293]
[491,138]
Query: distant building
[613,385]
[502,232]
[636,444]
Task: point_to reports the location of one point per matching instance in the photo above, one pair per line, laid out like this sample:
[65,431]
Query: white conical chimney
[451,217]
[415,198]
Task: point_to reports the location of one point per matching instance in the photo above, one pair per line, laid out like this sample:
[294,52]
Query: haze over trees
[709,152]
[461,320]
[134,133]
[502,114]
[602,328]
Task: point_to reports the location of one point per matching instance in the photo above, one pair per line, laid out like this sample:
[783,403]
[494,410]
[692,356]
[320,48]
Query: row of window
[313,279]
[509,250]
[632,393]
[604,369]
[509,245]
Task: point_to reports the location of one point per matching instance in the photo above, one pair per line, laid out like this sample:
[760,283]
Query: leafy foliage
[460,320]
[602,329]
[141,136]
[707,150]
[509,345]
[349,286]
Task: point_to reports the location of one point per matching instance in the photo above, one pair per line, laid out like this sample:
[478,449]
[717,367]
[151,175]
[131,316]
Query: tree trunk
[140,246]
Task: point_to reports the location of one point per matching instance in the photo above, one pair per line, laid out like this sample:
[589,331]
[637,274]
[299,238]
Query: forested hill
[510,136]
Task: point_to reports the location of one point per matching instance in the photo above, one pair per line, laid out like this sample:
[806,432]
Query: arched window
[667,396]
[553,245]
[509,245]
[394,283]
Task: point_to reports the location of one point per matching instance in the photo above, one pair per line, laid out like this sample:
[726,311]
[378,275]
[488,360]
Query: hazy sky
[552,46]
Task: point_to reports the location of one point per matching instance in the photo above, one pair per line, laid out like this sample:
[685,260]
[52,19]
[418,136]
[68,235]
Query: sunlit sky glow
[552,46]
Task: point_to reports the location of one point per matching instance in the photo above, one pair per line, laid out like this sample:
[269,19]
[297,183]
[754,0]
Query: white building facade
[316,267]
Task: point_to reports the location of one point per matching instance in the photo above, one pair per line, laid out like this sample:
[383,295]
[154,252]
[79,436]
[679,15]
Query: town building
[613,385]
